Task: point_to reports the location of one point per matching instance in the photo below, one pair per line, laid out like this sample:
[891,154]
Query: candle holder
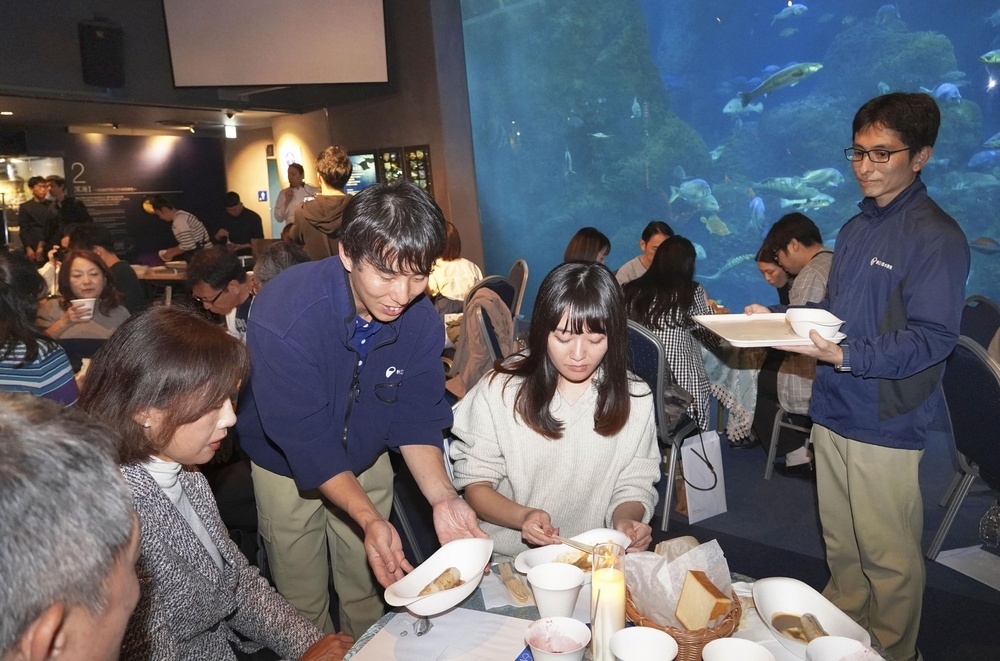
[607,598]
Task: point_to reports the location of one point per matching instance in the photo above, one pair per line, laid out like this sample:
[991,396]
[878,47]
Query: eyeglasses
[874,155]
[208,302]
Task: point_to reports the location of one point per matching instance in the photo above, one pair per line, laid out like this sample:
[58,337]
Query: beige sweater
[579,479]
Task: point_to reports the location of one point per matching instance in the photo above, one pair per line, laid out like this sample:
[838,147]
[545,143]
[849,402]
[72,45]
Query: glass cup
[607,598]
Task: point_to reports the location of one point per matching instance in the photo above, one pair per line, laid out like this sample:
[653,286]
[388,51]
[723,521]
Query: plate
[756,330]
[788,595]
[835,648]
[525,560]
[470,556]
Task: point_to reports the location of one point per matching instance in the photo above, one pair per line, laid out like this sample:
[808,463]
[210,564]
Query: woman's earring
[146,425]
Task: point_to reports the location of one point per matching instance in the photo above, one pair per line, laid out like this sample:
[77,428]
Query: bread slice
[700,602]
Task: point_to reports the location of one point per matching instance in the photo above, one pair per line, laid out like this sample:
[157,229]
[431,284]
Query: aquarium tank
[717,117]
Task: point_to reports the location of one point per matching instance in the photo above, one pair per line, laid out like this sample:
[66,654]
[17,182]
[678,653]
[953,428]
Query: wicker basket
[689,643]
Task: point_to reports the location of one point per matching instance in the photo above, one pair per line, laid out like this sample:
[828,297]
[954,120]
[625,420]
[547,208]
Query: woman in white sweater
[560,439]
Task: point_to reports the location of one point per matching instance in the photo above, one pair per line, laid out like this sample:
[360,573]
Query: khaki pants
[305,535]
[873,517]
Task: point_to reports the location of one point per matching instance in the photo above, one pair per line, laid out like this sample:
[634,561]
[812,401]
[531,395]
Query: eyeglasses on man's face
[206,301]
[855,155]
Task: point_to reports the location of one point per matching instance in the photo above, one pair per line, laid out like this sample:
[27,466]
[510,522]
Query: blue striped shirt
[49,375]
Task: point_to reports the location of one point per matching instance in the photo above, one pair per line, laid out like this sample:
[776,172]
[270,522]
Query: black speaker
[102,54]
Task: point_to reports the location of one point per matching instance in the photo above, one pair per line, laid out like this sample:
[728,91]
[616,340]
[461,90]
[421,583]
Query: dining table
[167,275]
[732,380]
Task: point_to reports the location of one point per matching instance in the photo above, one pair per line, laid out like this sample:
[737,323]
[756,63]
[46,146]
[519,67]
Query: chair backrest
[518,276]
[500,285]
[972,393]
[647,360]
[488,331]
[980,320]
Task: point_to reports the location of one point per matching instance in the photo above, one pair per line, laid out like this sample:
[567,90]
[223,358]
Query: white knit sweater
[578,479]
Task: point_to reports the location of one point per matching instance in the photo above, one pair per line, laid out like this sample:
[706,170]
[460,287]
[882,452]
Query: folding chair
[518,277]
[647,360]
[782,420]
[500,285]
[980,320]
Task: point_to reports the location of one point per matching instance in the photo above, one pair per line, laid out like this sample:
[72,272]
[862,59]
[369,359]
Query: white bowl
[643,644]
[470,556]
[525,560]
[804,320]
[788,595]
[835,648]
[571,638]
[735,649]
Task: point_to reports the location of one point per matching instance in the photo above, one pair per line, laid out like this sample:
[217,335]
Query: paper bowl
[835,648]
[643,644]
[804,320]
[470,556]
[788,595]
[525,560]
[570,636]
[731,649]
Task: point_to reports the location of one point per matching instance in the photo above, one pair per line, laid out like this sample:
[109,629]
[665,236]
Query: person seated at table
[559,439]
[220,284]
[663,300]
[277,257]
[165,382]
[452,276]
[656,232]
[30,361]
[799,249]
[773,274]
[97,238]
[82,275]
[589,244]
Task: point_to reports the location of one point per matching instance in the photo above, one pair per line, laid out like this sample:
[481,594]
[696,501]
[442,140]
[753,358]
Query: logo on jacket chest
[878,262]
[392,369]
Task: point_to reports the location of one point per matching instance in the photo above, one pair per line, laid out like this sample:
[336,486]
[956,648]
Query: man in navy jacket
[898,282]
[347,363]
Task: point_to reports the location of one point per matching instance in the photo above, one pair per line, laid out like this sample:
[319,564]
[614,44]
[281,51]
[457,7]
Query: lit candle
[607,599]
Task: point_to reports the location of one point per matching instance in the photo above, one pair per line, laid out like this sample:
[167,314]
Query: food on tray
[700,601]
[449,578]
[575,558]
[802,628]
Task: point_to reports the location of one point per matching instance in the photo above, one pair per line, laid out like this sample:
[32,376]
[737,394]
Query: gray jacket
[189,608]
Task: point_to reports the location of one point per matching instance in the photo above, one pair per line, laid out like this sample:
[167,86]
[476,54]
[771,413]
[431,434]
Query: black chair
[647,360]
[972,392]
[500,285]
[518,276]
[980,320]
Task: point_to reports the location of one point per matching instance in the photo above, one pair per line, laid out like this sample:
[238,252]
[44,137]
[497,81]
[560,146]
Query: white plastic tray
[755,330]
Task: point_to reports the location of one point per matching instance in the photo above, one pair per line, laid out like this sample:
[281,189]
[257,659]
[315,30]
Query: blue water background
[588,113]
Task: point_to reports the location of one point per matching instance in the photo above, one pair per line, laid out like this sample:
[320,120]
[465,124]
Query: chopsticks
[517,589]
[579,546]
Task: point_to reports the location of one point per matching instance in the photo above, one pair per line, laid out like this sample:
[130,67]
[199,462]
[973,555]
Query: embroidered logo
[392,370]
[878,262]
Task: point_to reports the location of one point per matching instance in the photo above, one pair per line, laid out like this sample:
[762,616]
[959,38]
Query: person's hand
[718,309]
[30,252]
[385,552]
[77,314]
[821,349]
[331,647]
[755,308]
[535,520]
[640,534]
[222,234]
[454,519]
[52,255]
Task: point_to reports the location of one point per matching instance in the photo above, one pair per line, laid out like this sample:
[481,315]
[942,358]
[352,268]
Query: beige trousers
[306,536]
[873,517]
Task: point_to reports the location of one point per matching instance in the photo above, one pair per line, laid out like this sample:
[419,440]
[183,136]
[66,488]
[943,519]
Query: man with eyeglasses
[898,282]
[220,284]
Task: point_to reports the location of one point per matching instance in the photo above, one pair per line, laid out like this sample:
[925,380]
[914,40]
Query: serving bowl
[730,649]
[787,595]
[525,560]
[470,556]
[804,320]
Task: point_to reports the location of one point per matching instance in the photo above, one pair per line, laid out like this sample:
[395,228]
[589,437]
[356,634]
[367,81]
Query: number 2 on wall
[78,177]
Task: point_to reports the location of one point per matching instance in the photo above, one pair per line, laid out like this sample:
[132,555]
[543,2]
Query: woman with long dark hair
[663,300]
[83,275]
[589,244]
[560,438]
[166,381]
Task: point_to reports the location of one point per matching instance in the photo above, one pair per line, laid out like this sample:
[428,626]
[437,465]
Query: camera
[60,254]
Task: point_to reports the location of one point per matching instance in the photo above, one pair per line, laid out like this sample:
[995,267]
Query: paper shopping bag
[704,480]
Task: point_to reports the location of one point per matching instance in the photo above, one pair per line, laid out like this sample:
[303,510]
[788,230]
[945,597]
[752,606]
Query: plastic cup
[557,639]
[643,644]
[88,307]
[555,586]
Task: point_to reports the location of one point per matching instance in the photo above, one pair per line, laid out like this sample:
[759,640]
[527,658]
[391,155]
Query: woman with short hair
[83,275]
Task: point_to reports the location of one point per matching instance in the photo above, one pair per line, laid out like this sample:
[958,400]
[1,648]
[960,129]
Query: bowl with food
[444,580]
[557,639]
[564,553]
[804,320]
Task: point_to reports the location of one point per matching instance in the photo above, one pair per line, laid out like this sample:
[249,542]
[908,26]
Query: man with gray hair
[69,538]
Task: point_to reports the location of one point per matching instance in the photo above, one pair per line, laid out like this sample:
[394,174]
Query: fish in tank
[717,118]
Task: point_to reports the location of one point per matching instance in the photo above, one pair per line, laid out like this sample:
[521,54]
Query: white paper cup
[728,649]
[557,639]
[555,586]
[643,644]
[88,306]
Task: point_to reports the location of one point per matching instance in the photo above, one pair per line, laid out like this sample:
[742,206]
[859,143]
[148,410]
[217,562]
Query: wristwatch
[845,364]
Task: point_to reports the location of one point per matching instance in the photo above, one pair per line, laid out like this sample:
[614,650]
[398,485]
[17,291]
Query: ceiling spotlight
[6,113]
[191,128]
[114,125]
[230,131]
